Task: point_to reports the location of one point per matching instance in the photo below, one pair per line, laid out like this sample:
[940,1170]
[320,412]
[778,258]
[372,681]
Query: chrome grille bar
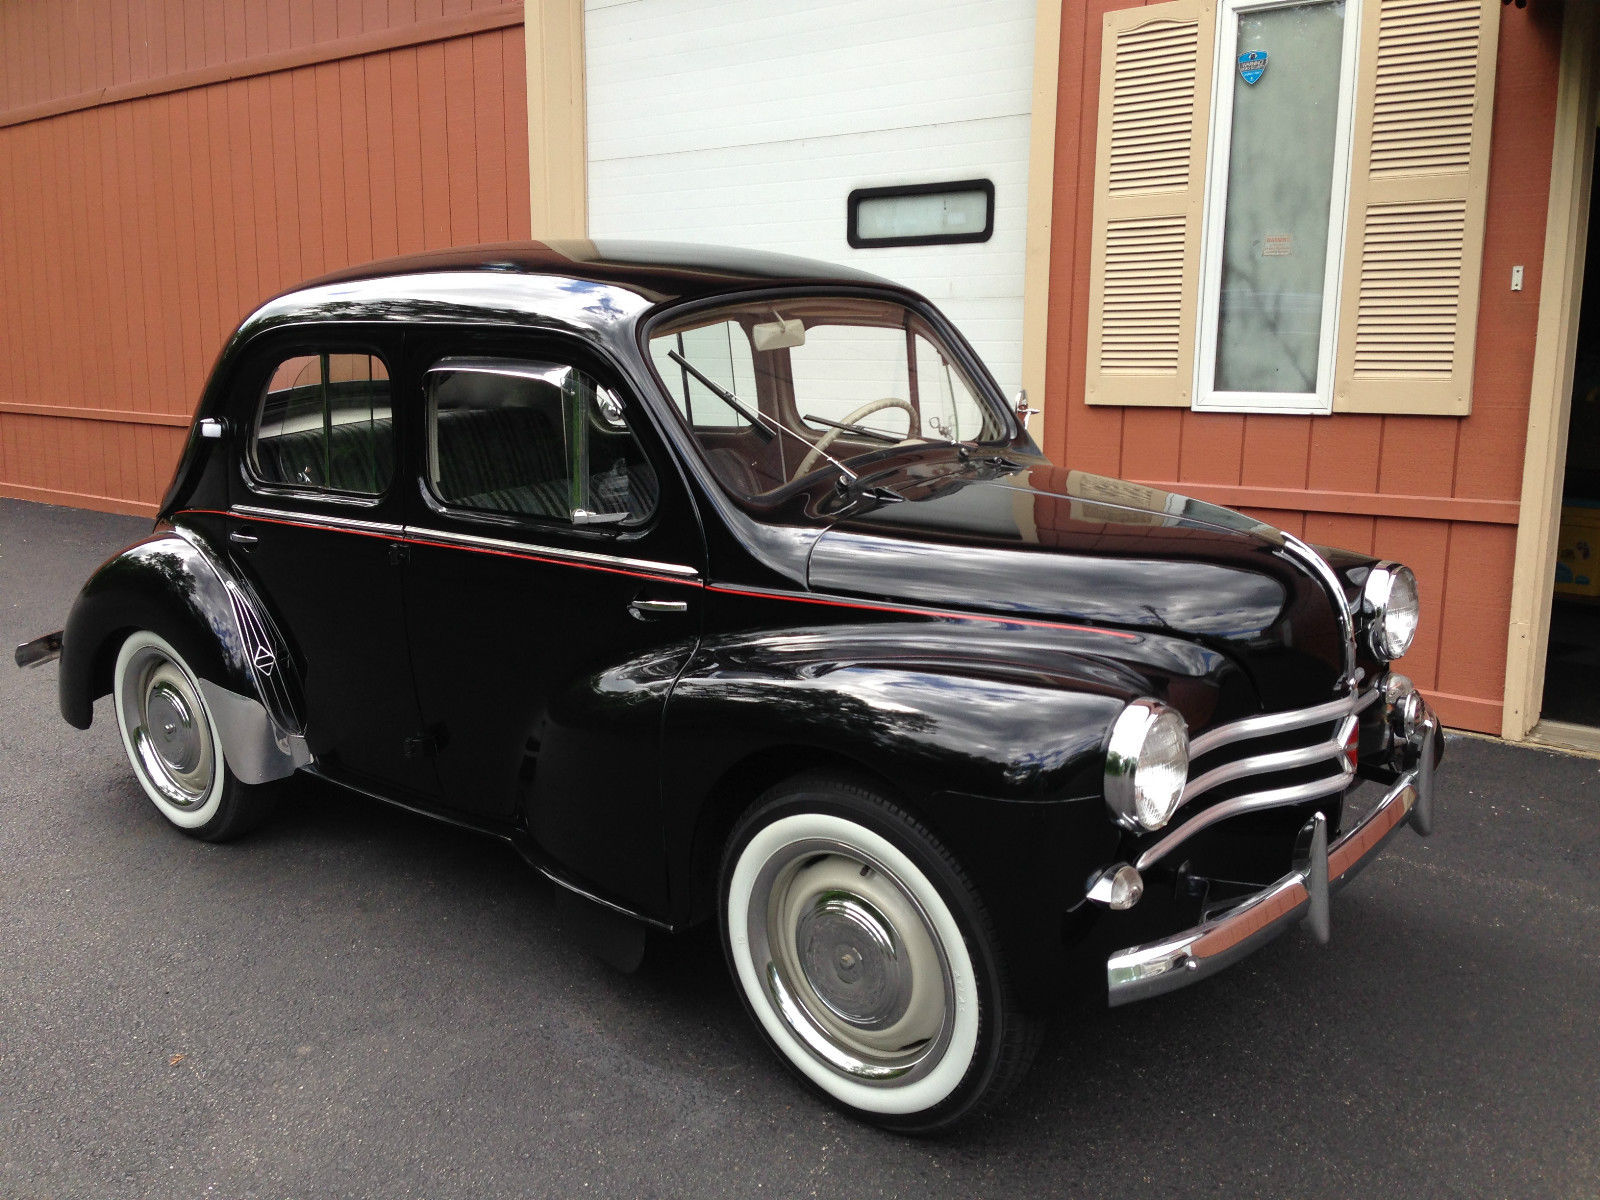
[1270,723]
[1281,760]
[1253,802]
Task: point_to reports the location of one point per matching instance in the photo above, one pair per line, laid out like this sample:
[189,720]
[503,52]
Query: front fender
[993,736]
[173,584]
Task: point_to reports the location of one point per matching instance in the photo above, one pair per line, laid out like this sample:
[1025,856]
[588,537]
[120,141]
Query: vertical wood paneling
[136,235]
[1464,568]
[52,49]
[514,70]
[1276,451]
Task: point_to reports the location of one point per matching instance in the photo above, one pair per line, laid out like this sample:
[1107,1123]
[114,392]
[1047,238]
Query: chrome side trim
[1253,802]
[443,537]
[1252,727]
[314,519]
[256,749]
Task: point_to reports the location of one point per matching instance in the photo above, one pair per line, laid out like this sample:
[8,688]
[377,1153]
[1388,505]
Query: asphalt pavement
[355,1001]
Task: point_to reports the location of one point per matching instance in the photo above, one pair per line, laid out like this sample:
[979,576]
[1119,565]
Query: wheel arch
[174,585]
[738,790]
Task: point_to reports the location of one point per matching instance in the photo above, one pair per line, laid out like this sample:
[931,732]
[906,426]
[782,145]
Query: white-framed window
[1277,192]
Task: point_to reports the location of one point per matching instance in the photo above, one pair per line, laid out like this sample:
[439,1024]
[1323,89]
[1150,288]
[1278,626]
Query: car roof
[655,272]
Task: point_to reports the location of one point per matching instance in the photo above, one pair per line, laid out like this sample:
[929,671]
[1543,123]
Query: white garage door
[750,123]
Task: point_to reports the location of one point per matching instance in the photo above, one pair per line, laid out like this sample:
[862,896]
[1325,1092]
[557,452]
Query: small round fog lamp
[1118,888]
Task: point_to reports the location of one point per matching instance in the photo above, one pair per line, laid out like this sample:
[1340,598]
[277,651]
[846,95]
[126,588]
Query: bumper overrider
[1322,867]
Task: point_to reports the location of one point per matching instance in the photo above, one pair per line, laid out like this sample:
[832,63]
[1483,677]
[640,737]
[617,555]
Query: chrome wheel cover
[166,726]
[851,962]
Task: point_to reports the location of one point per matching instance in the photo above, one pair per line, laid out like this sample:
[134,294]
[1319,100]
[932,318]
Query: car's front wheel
[175,746]
[866,957]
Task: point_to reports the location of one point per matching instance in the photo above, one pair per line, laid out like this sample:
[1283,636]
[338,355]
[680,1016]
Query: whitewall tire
[858,947]
[174,744]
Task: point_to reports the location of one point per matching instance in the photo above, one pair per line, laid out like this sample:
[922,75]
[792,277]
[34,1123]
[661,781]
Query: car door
[314,525]
[552,597]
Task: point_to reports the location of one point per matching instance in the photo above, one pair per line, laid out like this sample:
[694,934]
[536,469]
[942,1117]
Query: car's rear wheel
[173,742]
[867,959]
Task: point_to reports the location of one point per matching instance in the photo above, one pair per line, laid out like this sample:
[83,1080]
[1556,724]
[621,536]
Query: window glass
[1280,196]
[325,423]
[814,379]
[534,439]
[722,351]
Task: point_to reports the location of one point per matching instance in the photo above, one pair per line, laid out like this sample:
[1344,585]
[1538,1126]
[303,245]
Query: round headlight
[1392,609]
[1147,764]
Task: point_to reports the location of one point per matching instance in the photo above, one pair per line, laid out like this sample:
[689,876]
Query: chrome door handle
[243,538]
[645,609]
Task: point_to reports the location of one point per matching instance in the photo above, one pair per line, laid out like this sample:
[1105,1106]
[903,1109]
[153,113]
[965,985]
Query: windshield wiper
[878,434]
[757,418]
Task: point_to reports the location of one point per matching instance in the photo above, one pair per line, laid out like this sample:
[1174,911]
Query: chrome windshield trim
[301,518]
[1253,802]
[535,550]
[1269,723]
[1278,760]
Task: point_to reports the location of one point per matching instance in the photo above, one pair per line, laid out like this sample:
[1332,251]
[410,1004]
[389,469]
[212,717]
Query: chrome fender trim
[256,748]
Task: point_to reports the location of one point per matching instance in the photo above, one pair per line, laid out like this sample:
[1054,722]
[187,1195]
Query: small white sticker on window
[1277,245]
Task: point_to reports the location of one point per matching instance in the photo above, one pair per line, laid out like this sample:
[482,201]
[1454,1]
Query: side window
[325,423]
[534,439]
[722,350]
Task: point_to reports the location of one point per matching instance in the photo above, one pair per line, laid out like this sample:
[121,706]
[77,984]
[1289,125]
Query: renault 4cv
[727,587]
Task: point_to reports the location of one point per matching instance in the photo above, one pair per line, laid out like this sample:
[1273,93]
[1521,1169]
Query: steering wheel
[866,410]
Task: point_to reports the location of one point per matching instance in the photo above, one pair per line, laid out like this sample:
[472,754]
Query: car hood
[1041,542]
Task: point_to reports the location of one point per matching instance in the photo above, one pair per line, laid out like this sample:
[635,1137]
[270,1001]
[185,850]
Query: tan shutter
[1149,195]
[1408,310]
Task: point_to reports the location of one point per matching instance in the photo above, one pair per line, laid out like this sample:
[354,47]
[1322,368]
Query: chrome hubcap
[167,725]
[851,962]
[172,727]
[850,956]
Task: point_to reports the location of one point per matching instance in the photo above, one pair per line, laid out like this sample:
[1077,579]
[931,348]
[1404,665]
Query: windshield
[776,389]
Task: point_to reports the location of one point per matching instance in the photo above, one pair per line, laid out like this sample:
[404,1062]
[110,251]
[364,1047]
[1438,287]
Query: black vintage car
[726,586]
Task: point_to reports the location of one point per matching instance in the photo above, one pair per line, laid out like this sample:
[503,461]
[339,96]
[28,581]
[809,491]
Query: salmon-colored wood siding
[138,233]
[1438,493]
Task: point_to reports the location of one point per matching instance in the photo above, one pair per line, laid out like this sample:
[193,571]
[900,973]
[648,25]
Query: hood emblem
[265,660]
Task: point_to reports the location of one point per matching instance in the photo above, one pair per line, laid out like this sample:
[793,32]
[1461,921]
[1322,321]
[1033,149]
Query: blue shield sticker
[1252,65]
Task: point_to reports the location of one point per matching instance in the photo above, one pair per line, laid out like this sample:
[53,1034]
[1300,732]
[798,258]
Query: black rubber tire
[1007,1038]
[228,808]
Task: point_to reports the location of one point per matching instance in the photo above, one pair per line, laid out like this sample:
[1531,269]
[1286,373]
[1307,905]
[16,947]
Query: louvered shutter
[1408,310]
[1155,97]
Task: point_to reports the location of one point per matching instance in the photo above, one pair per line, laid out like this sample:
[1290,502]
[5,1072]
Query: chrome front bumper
[1149,970]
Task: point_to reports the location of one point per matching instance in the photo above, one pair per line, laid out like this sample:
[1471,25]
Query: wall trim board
[440,29]
[1365,504]
[117,415]
[94,503]
[1550,399]
[1041,208]
[558,131]
[1465,712]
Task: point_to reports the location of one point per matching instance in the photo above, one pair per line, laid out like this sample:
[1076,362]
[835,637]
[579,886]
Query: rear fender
[173,584]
